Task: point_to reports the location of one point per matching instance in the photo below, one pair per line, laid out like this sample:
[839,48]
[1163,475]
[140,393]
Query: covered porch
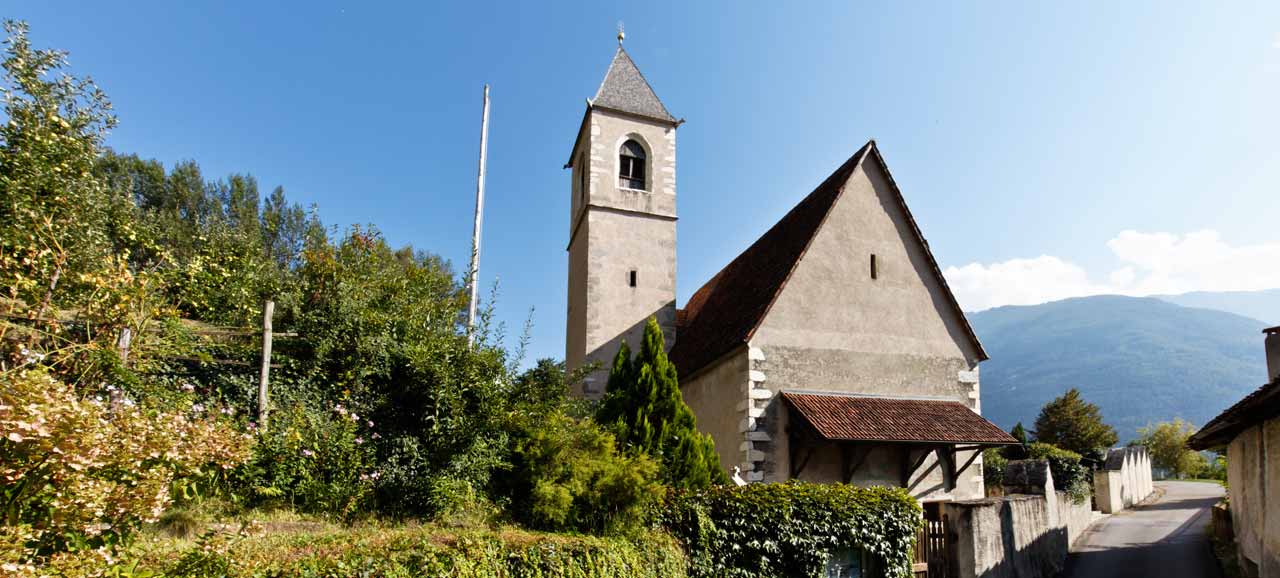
[927,445]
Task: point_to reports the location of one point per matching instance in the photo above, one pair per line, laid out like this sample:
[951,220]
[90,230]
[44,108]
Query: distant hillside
[1140,359]
[1260,305]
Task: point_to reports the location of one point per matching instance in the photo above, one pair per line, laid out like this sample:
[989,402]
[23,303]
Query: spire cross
[621,33]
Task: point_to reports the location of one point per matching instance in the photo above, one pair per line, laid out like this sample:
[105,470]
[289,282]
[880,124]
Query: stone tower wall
[614,231]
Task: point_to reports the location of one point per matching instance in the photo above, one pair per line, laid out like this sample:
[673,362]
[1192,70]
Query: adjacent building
[830,350]
[1250,433]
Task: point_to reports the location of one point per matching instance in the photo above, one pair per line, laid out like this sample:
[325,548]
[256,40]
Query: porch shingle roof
[882,419]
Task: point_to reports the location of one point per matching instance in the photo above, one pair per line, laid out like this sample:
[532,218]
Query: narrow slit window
[631,278]
[584,172]
[874,272]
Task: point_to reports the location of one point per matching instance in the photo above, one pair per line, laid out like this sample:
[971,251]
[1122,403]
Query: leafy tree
[1167,443]
[1071,423]
[51,203]
[384,338]
[644,404]
[542,386]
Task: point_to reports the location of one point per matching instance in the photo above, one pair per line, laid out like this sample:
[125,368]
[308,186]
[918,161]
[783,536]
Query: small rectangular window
[874,272]
[631,278]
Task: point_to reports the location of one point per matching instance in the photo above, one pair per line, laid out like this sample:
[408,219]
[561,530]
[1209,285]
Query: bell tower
[622,222]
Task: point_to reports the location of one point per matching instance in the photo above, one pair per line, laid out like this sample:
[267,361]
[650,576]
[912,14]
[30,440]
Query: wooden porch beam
[909,466]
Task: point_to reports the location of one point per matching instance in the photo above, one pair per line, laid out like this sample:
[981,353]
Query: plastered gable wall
[615,230]
[834,328]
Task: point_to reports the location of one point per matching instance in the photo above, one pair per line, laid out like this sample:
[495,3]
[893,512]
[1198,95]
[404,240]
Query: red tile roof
[883,419]
[727,310]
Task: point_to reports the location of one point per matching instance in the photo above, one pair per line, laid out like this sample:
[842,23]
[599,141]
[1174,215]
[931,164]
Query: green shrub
[1215,469]
[1069,475]
[312,460]
[789,530]
[567,474]
[993,463]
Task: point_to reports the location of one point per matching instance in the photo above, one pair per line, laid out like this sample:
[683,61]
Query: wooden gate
[933,548]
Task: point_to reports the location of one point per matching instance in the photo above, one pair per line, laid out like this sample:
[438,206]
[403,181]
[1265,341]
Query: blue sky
[1046,150]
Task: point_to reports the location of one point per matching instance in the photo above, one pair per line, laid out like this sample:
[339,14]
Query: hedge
[1069,474]
[788,530]
[422,552]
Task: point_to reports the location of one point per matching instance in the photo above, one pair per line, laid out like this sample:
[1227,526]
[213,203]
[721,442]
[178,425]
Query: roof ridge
[834,393]
[755,276]
[845,171]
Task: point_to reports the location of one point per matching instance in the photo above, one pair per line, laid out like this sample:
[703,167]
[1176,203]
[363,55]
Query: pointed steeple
[625,89]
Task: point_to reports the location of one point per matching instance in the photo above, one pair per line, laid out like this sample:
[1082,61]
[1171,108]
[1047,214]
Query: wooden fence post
[265,376]
[126,338]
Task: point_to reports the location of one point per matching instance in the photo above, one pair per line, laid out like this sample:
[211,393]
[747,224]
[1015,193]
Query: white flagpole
[475,236]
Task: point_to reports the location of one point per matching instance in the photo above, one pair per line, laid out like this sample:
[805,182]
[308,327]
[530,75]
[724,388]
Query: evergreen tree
[644,405]
[1018,452]
[1019,433]
[1072,423]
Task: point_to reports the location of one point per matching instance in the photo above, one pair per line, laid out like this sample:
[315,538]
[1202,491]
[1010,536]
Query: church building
[830,350]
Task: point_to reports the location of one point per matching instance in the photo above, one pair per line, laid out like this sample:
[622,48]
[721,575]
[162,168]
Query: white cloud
[1018,282]
[1153,264]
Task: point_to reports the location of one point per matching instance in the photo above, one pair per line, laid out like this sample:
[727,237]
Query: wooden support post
[265,376]
[126,337]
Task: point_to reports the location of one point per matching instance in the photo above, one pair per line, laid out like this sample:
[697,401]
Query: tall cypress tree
[644,406]
[1018,452]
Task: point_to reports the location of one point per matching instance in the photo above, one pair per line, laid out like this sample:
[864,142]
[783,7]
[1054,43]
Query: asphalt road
[1163,539]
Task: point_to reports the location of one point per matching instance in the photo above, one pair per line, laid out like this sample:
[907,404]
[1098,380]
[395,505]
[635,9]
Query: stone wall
[1072,516]
[1253,473]
[1006,537]
[1125,480]
[1021,535]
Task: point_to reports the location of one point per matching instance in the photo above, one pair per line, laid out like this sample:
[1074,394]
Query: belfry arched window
[631,161]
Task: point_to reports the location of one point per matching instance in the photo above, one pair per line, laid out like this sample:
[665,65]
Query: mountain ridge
[1141,359]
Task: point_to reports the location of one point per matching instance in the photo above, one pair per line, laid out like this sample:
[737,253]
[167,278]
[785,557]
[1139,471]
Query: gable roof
[1262,404]
[727,310]
[625,89]
[887,419]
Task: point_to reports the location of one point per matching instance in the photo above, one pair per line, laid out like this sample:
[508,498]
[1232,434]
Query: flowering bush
[84,472]
[313,460]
